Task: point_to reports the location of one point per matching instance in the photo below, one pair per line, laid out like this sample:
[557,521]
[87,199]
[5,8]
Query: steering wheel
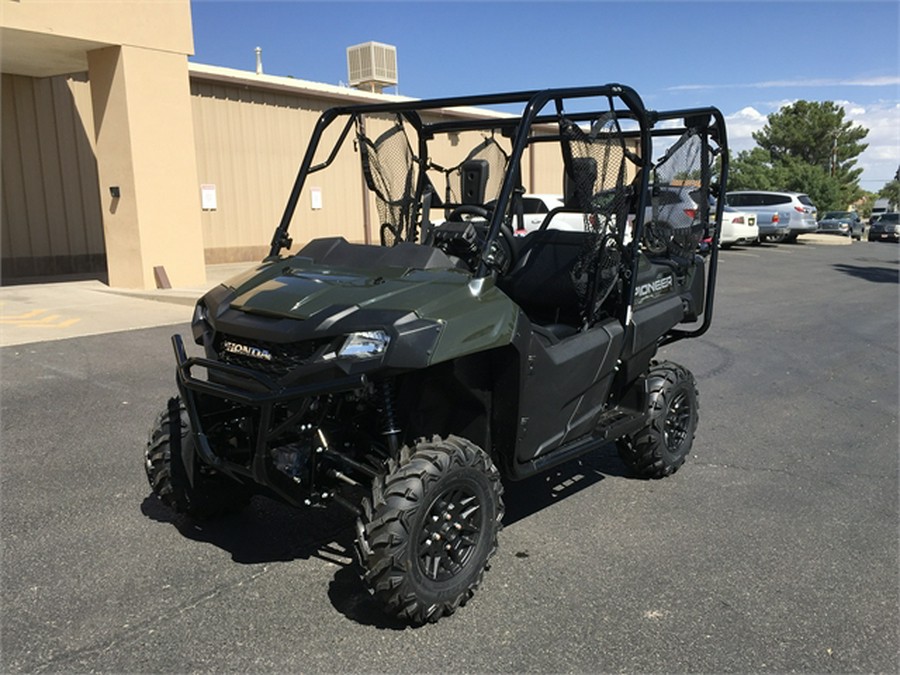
[657,235]
[469,210]
[502,255]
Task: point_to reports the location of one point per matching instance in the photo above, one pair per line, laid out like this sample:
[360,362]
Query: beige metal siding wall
[547,167]
[545,164]
[249,145]
[52,221]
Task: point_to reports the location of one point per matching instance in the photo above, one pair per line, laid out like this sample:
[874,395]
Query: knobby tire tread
[212,494]
[645,452]
[386,527]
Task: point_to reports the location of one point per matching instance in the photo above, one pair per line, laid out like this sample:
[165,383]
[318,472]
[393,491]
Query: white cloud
[879,161]
[741,125]
[885,81]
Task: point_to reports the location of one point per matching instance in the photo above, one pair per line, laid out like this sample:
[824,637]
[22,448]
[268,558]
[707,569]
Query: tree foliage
[891,192]
[808,147]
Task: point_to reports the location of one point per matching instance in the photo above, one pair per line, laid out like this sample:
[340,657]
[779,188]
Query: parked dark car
[847,223]
[885,227]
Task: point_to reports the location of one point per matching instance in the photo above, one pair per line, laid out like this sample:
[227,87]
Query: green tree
[753,170]
[891,192]
[808,147]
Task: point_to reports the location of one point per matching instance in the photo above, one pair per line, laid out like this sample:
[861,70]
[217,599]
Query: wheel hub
[677,422]
[450,534]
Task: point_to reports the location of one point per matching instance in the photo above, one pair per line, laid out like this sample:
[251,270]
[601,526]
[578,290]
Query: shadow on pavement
[878,275]
[526,497]
[268,531]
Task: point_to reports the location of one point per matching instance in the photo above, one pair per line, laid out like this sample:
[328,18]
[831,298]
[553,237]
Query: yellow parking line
[21,317]
[31,320]
[52,321]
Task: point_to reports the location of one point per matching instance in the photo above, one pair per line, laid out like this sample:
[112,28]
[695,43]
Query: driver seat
[541,283]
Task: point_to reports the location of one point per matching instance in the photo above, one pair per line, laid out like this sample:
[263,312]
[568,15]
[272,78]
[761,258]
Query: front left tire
[211,493]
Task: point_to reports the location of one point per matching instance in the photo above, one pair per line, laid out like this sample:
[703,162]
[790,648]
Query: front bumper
[843,231]
[251,391]
[881,235]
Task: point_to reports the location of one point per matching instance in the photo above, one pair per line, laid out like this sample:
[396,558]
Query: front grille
[253,354]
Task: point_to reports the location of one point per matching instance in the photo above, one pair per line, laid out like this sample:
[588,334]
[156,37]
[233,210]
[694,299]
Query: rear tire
[661,447]
[425,538]
[212,494]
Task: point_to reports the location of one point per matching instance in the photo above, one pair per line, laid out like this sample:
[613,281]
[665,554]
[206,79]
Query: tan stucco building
[123,161]
[137,126]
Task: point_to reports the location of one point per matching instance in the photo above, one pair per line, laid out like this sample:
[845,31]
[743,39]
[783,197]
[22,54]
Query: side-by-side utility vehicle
[402,379]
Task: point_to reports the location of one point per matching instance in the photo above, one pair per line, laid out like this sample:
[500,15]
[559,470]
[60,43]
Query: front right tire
[425,538]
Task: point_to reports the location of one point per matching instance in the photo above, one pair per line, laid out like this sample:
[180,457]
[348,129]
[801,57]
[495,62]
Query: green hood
[473,314]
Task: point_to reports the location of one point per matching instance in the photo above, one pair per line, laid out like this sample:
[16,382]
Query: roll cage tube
[281,239]
[535,100]
[535,105]
[717,130]
[519,130]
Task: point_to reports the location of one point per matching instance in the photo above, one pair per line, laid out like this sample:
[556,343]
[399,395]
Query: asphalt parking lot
[775,548]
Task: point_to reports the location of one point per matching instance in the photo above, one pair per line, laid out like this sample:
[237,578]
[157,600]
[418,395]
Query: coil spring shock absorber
[390,431]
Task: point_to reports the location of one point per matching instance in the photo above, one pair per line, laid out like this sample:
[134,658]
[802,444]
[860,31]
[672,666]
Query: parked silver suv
[781,216]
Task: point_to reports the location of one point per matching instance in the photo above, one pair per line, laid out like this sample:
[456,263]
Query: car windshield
[889,218]
[836,214]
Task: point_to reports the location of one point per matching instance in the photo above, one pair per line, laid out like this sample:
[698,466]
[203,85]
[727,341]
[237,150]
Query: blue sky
[746,58]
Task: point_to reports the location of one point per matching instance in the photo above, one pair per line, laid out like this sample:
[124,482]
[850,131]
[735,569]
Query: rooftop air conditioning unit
[372,66]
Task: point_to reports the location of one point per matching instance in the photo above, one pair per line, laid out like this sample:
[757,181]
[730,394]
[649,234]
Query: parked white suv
[780,216]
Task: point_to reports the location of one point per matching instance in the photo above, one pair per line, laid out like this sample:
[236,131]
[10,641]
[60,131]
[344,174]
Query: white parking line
[732,254]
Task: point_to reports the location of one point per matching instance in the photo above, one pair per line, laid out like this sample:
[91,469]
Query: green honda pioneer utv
[402,379]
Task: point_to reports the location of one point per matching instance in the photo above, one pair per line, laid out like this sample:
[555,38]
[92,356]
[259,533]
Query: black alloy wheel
[662,446]
[425,537]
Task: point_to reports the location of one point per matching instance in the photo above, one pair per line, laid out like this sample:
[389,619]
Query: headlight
[365,345]
[200,322]
[201,313]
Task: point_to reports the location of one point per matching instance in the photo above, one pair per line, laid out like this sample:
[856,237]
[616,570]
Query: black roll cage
[519,128]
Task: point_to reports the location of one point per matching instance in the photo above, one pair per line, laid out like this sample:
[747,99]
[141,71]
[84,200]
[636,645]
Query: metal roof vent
[372,66]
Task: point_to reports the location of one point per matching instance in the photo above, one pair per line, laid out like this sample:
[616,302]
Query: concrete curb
[826,239]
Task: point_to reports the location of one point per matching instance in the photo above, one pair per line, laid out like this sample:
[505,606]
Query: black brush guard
[263,396]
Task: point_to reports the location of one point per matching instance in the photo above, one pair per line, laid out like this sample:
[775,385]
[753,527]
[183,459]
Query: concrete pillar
[145,148]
